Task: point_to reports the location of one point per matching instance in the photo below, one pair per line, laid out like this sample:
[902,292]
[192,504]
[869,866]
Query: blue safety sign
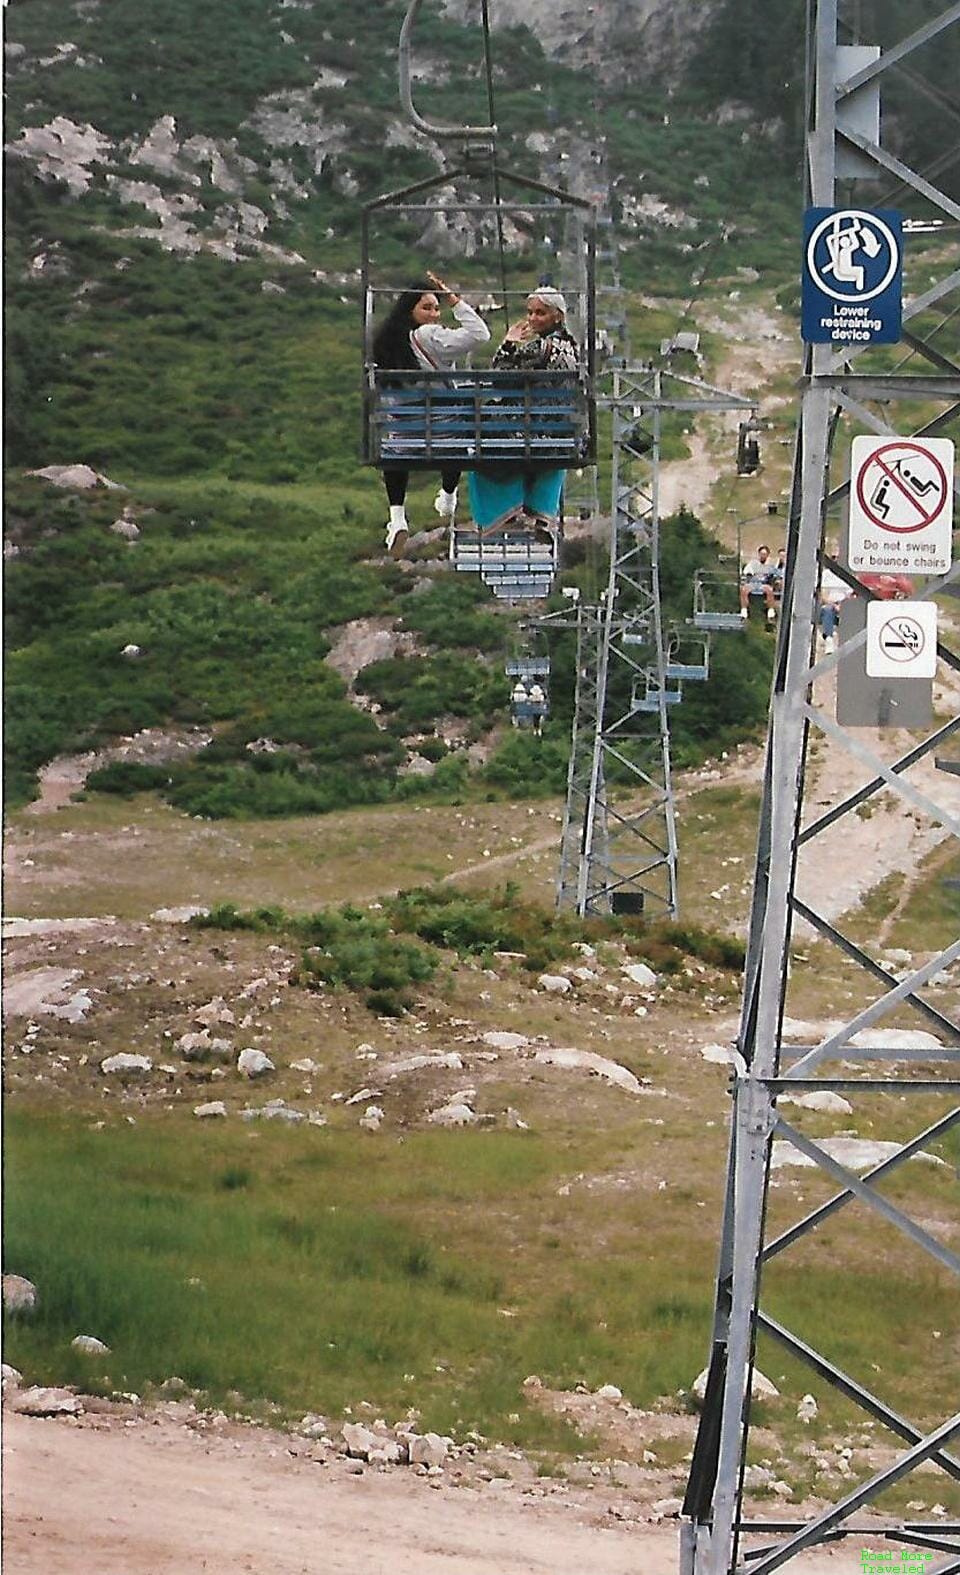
[852,276]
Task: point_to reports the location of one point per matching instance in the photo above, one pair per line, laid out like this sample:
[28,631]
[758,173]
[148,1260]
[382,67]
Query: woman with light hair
[526,499]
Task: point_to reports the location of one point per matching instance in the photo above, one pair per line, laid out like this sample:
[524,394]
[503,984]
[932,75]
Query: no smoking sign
[901,639]
[901,505]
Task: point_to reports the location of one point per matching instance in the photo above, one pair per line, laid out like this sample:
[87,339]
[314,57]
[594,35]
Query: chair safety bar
[428,419]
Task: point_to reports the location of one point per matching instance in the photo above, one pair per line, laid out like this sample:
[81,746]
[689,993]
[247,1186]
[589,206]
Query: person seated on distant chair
[538,706]
[758,580]
[779,572]
[515,498]
[412,336]
[519,699]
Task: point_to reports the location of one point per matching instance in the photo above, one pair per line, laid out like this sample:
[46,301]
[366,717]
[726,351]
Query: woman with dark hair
[412,336]
[518,499]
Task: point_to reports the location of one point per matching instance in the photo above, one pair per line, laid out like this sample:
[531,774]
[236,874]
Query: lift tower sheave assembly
[908,1073]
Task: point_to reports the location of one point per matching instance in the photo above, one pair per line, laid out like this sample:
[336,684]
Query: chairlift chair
[748,447]
[681,647]
[713,591]
[649,698]
[478,417]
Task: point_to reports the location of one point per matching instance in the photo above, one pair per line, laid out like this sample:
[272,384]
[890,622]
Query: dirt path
[154,1498]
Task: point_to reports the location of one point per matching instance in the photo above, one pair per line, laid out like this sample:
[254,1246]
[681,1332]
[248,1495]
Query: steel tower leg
[715,1524]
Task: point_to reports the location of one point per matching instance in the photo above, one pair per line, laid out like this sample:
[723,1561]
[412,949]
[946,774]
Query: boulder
[455,1114]
[215,1011]
[253,1063]
[428,1449]
[19,1295]
[760,1388]
[609,1392]
[372,1118]
[359,1440]
[10,1378]
[124,1065]
[38,1401]
[89,1345]
[79,476]
[555,983]
[128,529]
[822,1099]
[448,1061]
[587,1060]
[639,973]
[214,1107]
[667,1508]
[505,1041]
[131,652]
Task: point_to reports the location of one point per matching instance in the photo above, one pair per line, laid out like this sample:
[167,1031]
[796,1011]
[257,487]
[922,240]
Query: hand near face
[518,332]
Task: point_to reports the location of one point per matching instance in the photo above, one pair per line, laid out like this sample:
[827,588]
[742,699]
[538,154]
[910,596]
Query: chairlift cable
[495,173]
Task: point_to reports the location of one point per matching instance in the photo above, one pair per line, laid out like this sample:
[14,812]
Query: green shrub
[126,777]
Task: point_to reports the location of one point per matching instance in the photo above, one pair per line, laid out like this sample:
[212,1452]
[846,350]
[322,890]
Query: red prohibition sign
[926,517]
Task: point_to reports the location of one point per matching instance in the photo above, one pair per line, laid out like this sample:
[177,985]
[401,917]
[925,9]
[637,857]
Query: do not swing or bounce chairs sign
[852,276]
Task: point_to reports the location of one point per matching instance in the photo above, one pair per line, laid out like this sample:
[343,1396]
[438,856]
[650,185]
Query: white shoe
[397,535]
[744,613]
[445,504]
[771,615]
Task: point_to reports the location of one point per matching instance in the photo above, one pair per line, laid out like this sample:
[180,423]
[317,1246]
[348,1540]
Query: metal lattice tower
[841,390]
[620,818]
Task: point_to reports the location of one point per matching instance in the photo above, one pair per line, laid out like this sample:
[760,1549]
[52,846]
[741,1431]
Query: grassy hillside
[219,382]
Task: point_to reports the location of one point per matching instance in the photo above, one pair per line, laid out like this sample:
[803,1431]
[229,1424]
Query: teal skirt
[520,499]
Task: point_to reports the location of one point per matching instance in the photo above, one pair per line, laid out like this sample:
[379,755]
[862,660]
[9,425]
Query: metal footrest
[726,622]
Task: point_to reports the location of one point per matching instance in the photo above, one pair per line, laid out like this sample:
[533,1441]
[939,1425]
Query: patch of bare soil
[152,1496]
[66,775]
[886,835]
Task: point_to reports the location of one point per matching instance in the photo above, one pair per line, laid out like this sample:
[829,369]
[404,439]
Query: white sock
[448,498]
[398,514]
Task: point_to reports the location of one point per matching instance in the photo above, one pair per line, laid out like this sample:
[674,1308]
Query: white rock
[359,1440]
[130,652]
[193,1047]
[79,476]
[639,973]
[505,1040]
[666,1508]
[757,1477]
[372,1118]
[760,1388]
[587,1060]
[124,1063]
[39,1401]
[855,1153]
[583,975]
[453,1115]
[516,1121]
[609,1392]
[822,1099]
[362,1094]
[896,1039]
[19,1294]
[10,1377]
[428,1449]
[128,529]
[449,1061]
[720,1055]
[253,1063]
[214,1107]
[555,983]
[89,1345]
[306,1065]
[807,1409]
[215,1011]
[178,915]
